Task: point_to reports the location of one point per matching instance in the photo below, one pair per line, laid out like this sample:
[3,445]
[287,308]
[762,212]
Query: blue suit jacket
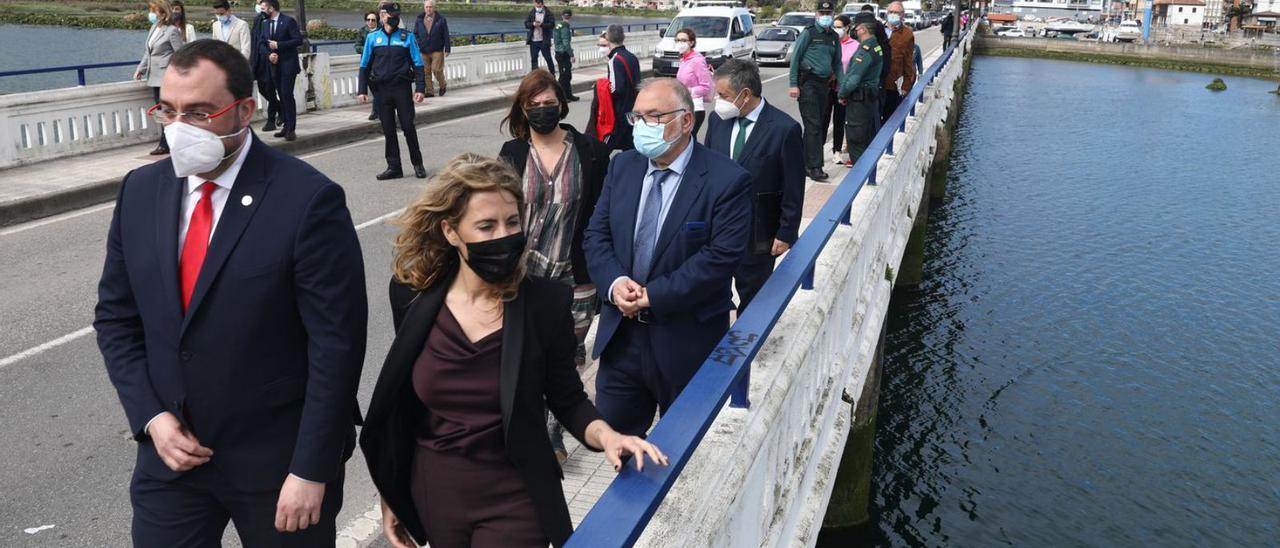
[774,155]
[701,243]
[263,367]
[287,38]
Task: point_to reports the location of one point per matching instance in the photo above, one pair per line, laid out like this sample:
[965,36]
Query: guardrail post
[80,75]
[739,398]
[871,177]
[807,281]
[846,218]
[473,39]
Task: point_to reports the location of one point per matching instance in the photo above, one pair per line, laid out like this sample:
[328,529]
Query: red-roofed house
[1179,13]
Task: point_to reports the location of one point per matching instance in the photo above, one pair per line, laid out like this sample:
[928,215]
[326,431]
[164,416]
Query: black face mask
[394,21]
[495,261]
[543,120]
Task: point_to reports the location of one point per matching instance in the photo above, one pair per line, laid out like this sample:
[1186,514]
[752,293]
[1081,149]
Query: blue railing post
[807,281]
[740,397]
[846,218]
[80,75]
[871,177]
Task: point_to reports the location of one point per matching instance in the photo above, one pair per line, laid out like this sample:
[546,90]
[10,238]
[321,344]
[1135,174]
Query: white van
[724,32]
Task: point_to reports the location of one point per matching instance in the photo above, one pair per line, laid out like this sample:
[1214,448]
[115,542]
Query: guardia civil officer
[814,65]
[392,65]
[860,91]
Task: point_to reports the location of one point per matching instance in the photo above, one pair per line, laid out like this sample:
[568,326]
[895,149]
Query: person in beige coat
[163,39]
[231,29]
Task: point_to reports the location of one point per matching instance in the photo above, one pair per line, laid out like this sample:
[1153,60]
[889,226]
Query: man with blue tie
[231,318]
[279,46]
[670,228]
[770,145]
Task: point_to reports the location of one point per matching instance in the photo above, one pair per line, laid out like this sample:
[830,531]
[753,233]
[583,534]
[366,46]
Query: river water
[1094,358]
[27,46]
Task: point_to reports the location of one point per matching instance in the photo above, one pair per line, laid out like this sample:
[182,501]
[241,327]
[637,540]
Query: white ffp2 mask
[194,150]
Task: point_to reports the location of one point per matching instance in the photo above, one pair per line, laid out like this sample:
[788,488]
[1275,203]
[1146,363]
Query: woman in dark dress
[455,438]
[562,172]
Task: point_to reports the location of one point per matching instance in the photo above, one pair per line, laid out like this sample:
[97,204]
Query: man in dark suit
[624,74]
[540,23]
[769,145]
[231,316]
[669,230]
[279,46]
[262,72]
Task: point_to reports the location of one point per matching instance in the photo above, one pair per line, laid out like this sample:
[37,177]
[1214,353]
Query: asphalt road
[67,459]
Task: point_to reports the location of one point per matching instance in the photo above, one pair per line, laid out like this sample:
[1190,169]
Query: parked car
[1008,31]
[774,45]
[797,20]
[724,33]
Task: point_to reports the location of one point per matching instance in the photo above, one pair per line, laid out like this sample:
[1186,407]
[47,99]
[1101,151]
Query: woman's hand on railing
[616,446]
[395,532]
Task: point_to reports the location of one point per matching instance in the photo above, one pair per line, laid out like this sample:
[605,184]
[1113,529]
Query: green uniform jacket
[863,69]
[562,37]
[818,51]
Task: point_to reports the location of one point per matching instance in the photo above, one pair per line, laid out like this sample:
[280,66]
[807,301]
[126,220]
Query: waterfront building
[1179,13]
[1075,9]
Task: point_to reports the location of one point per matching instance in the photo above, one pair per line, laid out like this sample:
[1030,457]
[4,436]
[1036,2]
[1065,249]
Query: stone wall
[1243,61]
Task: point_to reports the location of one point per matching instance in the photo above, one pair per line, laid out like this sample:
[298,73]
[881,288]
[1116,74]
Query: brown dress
[466,491]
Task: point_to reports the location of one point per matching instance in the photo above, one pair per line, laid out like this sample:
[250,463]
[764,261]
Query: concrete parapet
[1245,62]
[763,476]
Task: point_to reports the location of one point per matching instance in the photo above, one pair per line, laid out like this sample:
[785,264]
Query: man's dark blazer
[702,241]
[436,40]
[258,62]
[537,373]
[548,25]
[263,367]
[287,38]
[774,155]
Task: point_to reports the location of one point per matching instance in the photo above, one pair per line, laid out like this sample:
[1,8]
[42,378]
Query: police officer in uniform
[392,65]
[860,92]
[814,65]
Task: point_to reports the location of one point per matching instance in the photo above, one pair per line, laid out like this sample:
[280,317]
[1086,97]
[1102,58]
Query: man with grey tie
[669,230]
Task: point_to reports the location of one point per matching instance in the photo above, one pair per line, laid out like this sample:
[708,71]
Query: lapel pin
[246,201]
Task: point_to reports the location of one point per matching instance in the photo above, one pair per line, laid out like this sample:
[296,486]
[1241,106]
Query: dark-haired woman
[455,437]
[562,172]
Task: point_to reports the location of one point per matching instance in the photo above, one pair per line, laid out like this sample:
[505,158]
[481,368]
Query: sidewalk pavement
[61,185]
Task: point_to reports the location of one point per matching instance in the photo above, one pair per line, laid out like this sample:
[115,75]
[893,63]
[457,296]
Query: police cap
[391,8]
[865,17]
[826,5]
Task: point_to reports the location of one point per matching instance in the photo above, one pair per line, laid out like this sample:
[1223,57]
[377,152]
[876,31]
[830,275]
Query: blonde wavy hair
[423,257]
[164,13]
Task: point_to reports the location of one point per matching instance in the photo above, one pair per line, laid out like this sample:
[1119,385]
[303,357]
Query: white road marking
[46,346]
[379,219]
[57,218]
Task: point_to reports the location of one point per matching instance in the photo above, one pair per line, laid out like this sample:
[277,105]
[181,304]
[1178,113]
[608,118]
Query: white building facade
[1076,9]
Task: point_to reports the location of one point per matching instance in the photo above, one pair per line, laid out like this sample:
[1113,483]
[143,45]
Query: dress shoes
[442,91]
[280,133]
[373,116]
[390,173]
[160,149]
[420,172]
[271,126]
[291,136]
[817,174]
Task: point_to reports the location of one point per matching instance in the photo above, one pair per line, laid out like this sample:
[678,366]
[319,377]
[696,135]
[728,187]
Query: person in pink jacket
[694,74]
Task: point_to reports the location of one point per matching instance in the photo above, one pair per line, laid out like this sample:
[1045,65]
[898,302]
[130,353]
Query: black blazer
[288,37]
[538,348]
[593,158]
[548,25]
[264,364]
[774,154]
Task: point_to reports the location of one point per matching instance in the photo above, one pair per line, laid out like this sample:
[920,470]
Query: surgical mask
[604,50]
[895,19]
[825,21]
[195,150]
[728,110]
[257,8]
[839,31]
[225,19]
[543,120]
[682,47]
[495,261]
[650,140]
[394,21]
[152,17]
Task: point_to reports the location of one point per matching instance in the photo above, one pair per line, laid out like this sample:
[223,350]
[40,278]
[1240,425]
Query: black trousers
[155,91]
[543,47]
[751,276]
[193,511]
[946,41]
[862,121]
[566,71]
[698,117]
[629,385]
[835,114]
[813,103]
[267,88]
[395,104]
[288,105]
[889,100]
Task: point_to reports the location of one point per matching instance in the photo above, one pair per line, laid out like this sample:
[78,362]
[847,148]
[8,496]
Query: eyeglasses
[651,120]
[168,115]
[370,20]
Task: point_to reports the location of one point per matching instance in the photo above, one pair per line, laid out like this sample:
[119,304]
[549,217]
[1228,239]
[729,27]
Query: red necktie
[197,242]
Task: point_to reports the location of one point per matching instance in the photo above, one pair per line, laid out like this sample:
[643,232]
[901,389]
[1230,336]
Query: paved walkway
[57,186]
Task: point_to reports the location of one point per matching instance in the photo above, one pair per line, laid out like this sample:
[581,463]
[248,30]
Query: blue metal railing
[472,39]
[624,510]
